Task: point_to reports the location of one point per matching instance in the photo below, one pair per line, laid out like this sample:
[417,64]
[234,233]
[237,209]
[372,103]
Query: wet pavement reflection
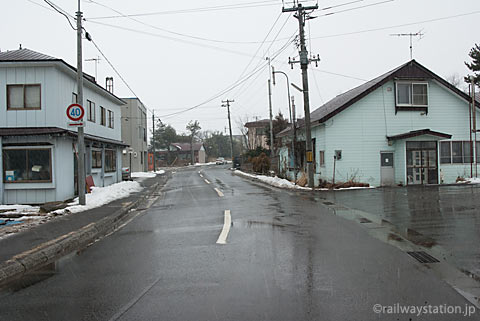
[448,216]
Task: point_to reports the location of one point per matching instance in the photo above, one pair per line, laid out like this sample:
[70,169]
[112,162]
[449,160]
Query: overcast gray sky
[184,53]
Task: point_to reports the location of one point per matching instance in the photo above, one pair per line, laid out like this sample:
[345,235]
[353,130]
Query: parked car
[126,174]
[220,161]
[237,162]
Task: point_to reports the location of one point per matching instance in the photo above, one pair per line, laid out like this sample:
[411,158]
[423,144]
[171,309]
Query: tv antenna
[97,61]
[418,34]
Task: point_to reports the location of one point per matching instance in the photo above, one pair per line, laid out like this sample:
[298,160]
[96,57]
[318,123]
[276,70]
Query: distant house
[183,152]
[408,126]
[178,154]
[257,134]
[134,133]
[39,150]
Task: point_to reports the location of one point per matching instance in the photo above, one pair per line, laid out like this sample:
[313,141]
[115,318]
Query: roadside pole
[227,104]
[304,61]
[81,140]
[153,142]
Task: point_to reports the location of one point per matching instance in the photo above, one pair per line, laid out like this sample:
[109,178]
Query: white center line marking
[201,175]
[219,192]
[222,239]
[206,181]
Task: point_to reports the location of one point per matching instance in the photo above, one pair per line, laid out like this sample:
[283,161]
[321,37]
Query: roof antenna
[411,35]
[20,47]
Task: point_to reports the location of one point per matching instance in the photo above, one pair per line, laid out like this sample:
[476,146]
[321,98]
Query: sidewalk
[44,243]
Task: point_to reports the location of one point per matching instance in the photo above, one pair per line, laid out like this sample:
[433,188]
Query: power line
[162,29]
[356,8]
[397,26]
[175,39]
[62,12]
[196,10]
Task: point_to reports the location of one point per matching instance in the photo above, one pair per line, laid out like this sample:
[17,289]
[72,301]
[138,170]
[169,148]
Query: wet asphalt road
[286,258]
[447,216]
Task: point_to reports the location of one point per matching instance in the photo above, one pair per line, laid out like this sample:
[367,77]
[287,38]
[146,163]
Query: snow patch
[103,195]
[284,183]
[143,174]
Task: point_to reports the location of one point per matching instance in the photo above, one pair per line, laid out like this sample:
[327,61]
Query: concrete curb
[53,250]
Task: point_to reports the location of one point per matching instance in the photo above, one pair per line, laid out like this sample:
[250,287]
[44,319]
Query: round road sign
[75,112]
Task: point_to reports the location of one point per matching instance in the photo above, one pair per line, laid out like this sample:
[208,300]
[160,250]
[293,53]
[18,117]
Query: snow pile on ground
[284,183]
[103,195]
[473,180]
[274,181]
[18,208]
[202,164]
[143,174]
[160,172]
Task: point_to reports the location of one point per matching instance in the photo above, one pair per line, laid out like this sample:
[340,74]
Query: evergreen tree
[474,66]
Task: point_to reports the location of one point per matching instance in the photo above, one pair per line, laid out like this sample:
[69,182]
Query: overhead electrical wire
[163,29]
[176,39]
[197,10]
[356,8]
[62,12]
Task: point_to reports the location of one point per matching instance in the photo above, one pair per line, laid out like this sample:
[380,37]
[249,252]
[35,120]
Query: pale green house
[405,127]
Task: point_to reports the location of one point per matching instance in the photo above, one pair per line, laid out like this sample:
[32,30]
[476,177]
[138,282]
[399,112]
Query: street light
[291,117]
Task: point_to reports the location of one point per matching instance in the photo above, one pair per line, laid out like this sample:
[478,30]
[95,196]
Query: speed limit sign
[75,112]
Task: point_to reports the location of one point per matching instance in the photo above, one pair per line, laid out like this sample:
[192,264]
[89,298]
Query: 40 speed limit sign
[75,113]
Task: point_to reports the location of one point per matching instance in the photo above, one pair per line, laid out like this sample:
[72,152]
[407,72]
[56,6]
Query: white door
[387,172]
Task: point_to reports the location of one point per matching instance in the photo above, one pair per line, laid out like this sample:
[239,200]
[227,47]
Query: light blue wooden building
[38,149]
[408,126]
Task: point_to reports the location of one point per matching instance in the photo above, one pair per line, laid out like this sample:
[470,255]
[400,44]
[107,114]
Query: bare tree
[241,121]
[193,127]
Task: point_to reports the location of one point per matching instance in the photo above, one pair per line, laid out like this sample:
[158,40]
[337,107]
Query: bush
[261,164]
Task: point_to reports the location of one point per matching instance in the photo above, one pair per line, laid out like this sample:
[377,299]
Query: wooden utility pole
[226,103]
[302,15]
[81,139]
[153,142]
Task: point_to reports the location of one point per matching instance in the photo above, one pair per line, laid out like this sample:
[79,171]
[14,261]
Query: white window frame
[411,83]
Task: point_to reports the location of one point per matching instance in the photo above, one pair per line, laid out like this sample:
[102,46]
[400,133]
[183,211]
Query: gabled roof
[258,123]
[27,55]
[420,132]
[185,147]
[409,70]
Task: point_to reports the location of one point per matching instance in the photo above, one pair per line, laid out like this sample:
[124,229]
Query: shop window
[27,165]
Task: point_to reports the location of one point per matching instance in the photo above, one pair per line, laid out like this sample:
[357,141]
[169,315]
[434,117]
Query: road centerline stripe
[222,239]
[206,181]
[219,192]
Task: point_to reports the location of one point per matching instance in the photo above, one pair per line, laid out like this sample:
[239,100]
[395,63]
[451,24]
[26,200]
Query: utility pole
[81,139]
[474,118]
[272,145]
[294,134]
[302,15]
[153,141]
[411,35]
[226,103]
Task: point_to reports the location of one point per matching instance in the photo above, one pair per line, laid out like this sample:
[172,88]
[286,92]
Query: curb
[53,250]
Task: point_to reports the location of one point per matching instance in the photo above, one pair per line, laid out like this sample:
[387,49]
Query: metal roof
[54,131]
[25,55]
[185,147]
[420,132]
